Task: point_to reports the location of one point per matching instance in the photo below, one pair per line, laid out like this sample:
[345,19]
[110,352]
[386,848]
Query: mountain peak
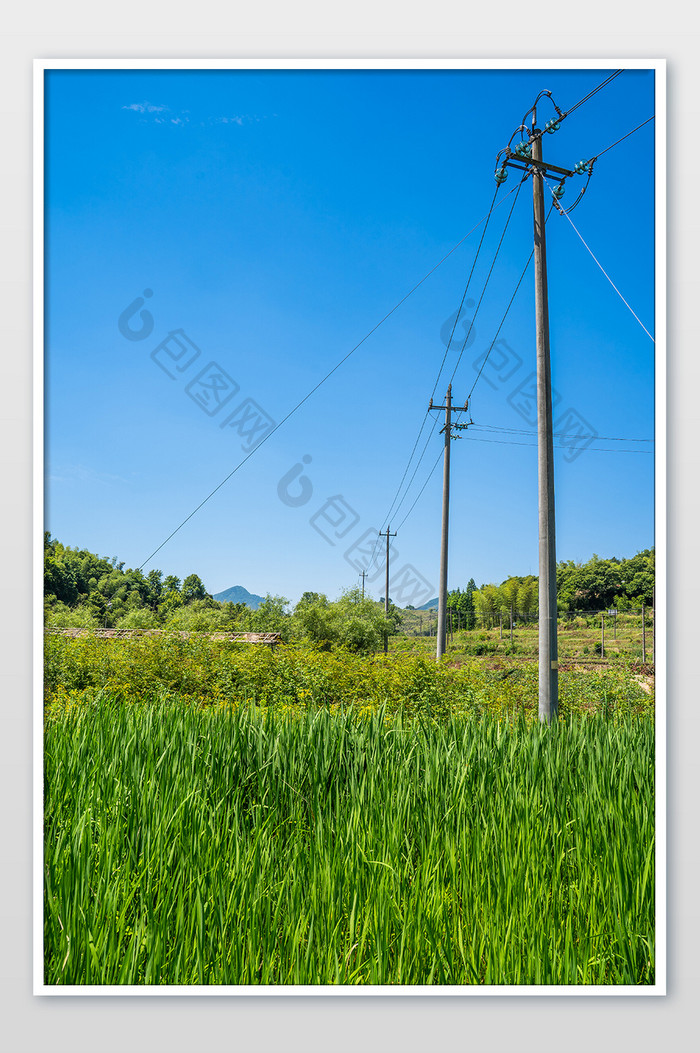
[237,594]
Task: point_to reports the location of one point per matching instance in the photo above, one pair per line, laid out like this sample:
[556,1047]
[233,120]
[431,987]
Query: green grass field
[223,815]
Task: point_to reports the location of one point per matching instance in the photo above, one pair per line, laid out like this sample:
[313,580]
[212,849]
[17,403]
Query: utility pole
[644,638]
[363,584]
[386,589]
[442,588]
[548,645]
[529,153]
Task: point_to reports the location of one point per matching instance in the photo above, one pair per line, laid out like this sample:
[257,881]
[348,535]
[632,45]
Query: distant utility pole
[442,589]
[363,584]
[644,637]
[529,153]
[386,589]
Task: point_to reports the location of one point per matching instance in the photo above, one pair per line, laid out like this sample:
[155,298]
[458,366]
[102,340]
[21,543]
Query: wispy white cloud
[145,107]
[164,115]
[80,473]
[239,119]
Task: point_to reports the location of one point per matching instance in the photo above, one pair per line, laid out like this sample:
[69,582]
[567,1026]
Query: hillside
[237,594]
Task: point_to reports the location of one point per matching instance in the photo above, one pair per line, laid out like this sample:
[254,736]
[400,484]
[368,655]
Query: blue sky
[275,217]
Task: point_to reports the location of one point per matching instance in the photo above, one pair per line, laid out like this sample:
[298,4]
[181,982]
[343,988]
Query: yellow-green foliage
[213,672]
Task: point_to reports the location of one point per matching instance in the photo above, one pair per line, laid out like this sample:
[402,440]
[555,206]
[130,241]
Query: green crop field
[216,814]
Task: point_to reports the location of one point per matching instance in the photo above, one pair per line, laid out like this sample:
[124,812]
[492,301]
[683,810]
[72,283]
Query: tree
[527,597]
[193,589]
[508,595]
[487,604]
[154,579]
[352,621]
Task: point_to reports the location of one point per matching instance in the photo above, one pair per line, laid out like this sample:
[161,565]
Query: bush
[138,619]
[60,616]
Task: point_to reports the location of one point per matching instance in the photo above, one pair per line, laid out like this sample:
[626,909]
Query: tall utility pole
[363,584]
[530,155]
[442,588]
[386,588]
[548,648]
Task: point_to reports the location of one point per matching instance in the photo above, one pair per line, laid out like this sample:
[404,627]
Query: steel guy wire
[630,309]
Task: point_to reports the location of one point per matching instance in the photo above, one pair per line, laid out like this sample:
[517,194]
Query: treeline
[89,591]
[82,589]
[598,584]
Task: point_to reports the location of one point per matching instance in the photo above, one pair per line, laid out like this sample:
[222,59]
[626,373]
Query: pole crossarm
[541,166]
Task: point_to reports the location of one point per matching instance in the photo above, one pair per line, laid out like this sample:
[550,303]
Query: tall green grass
[190,845]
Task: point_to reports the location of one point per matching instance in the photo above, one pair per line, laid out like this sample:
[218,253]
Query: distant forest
[599,584]
[82,589]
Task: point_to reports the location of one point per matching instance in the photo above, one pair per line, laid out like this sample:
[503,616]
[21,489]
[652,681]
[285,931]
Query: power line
[466,339]
[322,381]
[557,446]
[595,158]
[466,289]
[559,434]
[592,93]
[420,492]
[563,115]
[488,277]
[392,509]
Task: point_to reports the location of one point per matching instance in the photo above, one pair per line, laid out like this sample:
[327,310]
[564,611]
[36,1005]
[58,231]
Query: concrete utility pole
[442,588]
[548,646]
[644,637]
[530,156]
[386,589]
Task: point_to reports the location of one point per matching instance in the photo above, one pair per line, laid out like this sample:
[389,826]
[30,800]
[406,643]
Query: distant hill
[237,594]
[426,606]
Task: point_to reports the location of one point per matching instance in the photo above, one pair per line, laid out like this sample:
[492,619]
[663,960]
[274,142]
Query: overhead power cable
[562,115]
[466,289]
[592,93]
[420,492]
[488,276]
[557,446]
[329,374]
[595,158]
[394,507]
[557,434]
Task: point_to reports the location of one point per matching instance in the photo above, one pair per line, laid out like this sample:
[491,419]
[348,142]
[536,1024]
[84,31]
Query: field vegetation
[228,814]
[324,813]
